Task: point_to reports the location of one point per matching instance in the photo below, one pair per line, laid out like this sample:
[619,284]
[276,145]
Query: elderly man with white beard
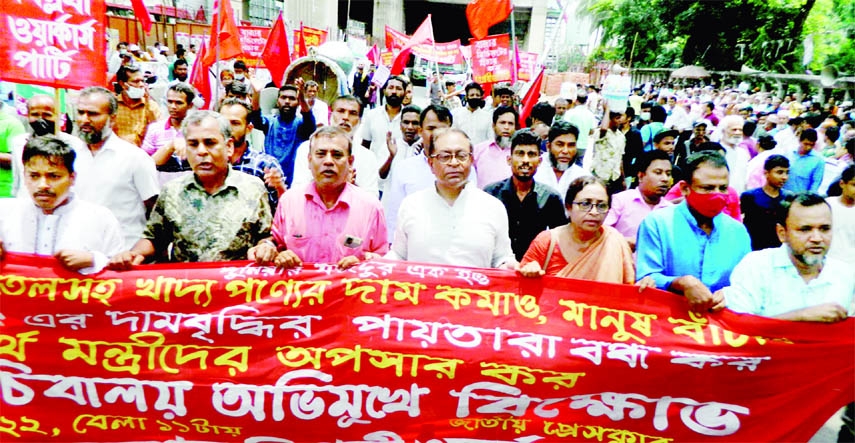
[558,168]
[490,158]
[737,157]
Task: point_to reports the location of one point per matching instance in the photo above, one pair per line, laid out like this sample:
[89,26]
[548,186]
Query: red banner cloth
[252,42]
[526,65]
[200,77]
[396,351]
[532,96]
[448,53]
[141,13]
[312,37]
[228,38]
[275,54]
[491,59]
[424,34]
[373,55]
[53,43]
[481,14]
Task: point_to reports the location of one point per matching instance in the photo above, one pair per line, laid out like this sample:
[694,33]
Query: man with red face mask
[691,248]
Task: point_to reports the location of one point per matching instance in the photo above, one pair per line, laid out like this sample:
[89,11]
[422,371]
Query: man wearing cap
[136,109]
[116,57]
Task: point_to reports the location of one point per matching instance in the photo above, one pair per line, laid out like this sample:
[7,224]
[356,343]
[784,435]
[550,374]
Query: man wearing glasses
[532,207]
[453,222]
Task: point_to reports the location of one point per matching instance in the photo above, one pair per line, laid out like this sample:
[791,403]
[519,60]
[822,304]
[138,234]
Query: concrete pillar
[321,14]
[535,39]
[387,12]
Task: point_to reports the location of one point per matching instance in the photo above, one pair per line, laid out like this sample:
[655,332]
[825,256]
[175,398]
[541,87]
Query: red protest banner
[395,40]
[53,43]
[491,60]
[313,37]
[252,41]
[446,53]
[402,351]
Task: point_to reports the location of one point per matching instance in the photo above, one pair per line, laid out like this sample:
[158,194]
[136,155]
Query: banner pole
[56,129]
[514,47]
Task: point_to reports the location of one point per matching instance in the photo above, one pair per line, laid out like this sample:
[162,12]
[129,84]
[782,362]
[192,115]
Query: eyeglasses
[587,206]
[446,157]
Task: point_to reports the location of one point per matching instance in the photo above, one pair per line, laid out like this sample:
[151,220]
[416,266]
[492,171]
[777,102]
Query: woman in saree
[582,249]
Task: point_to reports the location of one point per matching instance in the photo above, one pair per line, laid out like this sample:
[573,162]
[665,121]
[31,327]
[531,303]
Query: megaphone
[828,76]
[746,70]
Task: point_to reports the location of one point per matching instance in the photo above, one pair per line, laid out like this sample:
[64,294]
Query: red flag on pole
[200,78]
[515,69]
[142,14]
[531,97]
[275,54]
[228,37]
[482,14]
[424,34]
[373,55]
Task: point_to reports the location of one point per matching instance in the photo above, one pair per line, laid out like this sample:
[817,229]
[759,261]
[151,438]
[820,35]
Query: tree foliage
[725,35]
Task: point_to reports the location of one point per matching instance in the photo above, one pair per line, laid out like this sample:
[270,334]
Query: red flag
[424,34]
[300,43]
[482,14]
[373,55]
[531,97]
[515,69]
[142,14]
[275,54]
[228,37]
[200,78]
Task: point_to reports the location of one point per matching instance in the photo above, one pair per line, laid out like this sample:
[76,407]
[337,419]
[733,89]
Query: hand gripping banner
[393,351]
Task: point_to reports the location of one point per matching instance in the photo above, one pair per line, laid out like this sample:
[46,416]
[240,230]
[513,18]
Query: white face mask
[135,93]
[239,77]
[645,116]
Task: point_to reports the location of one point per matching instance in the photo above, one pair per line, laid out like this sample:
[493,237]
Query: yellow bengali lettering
[456,296]
[311,290]
[296,357]
[72,289]
[106,422]
[164,288]
[15,345]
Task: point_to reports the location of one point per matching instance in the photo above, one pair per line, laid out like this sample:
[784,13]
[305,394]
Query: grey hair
[195,118]
[92,90]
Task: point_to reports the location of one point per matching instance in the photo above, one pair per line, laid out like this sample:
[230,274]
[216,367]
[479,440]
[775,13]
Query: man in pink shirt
[328,220]
[490,158]
[631,206]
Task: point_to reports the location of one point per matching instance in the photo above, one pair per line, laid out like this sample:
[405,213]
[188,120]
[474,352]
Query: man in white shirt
[319,108]
[405,146]
[559,168]
[843,213]
[41,115]
[384,119]
[345,114]
[473,119]
[737,157]
[454,222]
[584,120]
[121,176]
[51,220]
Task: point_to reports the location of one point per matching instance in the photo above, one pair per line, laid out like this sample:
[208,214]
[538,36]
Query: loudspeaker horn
[828,76]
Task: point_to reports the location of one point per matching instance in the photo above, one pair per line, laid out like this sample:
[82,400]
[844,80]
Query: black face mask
[43,127]
[475,102]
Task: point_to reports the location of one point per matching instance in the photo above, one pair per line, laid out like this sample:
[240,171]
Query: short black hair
[749,127]
[410,109]
[399,78]
[833,133]
[288,87]
[645,159]
[180,62]
[502,110]
[474,85]
[525,137]
[124,73]
[806,199]
[543,111]
[50,147]
[767,142]
[658,114]
[562,127]
[442,113]
[712,158]
[809,135]
[184,88]
[239,65]
[347,98]
[776,161]
[848,174]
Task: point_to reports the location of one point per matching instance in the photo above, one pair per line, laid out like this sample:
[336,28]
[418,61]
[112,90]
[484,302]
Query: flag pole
[216,30]
[433,44]
[514,45]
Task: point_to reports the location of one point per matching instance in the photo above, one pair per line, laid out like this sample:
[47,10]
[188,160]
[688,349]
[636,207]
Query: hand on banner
[646,282]
[124,261]
[75,260]
[347,262]
[287,260]
[531,269]
[825,313]
[264,253]
[700,298]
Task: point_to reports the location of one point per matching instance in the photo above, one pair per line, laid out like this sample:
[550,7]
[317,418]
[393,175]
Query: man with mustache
[737,156]
[327,220]
[214,214]
[346,111]
[162,139]
[490,158]
[382,120]
[41,115]
[532,207]
[630,207]
[52,220]
[288,129]
[559,168]
[796,281]
[120,176]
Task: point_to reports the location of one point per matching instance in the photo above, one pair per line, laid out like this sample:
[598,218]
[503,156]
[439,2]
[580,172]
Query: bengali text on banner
[58,43]
[491,59]
[395,351]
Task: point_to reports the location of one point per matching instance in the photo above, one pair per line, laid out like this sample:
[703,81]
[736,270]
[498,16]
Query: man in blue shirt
[691,248]
[288,129]
[806,166]
[760,206]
